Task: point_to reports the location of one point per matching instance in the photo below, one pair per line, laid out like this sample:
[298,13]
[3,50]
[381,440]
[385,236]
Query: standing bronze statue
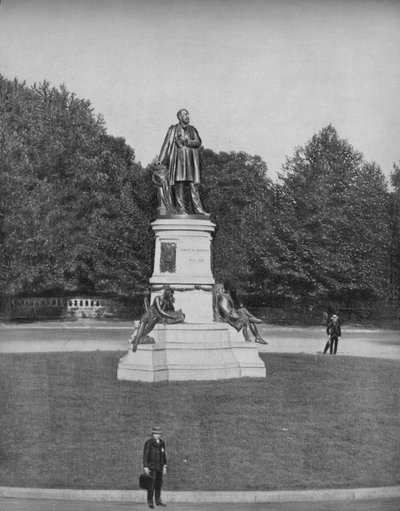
[179,163]
[161,311]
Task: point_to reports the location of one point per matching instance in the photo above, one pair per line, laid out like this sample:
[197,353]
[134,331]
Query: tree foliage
[238,194]
[394,281]
[75,210]
[68,215]
[332,222]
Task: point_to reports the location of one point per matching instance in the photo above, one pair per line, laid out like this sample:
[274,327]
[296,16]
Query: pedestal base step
[210,351]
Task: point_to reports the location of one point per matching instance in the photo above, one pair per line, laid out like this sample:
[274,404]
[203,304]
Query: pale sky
[260,76]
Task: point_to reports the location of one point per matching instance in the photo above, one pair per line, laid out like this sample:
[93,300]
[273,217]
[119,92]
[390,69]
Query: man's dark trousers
[332,345]
[156,488]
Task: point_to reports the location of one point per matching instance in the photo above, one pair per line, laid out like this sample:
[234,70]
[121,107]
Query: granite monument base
[182,260]
[204,351]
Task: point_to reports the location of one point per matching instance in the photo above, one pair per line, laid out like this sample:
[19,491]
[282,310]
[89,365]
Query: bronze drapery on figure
[241,319]
[164,191]
[161,311]
[179,163]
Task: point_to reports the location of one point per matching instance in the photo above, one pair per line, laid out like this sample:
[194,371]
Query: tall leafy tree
[121,241]
[332,222]
[69,218]
[239,195]
[25,199]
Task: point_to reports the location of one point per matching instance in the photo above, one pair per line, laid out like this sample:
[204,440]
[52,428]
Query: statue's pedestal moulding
[207,351]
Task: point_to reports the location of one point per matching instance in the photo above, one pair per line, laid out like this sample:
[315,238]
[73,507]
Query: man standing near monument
[155,464]
[334,333]
[180,154]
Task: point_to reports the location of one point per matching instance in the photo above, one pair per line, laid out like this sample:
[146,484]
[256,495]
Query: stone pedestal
[199,349]
[204,351]
[182,260]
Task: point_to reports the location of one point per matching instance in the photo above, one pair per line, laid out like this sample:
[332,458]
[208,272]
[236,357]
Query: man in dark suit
[334,333]
[155,464]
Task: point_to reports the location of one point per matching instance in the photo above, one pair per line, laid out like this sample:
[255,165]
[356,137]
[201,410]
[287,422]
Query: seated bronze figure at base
[161,311]
[240,319]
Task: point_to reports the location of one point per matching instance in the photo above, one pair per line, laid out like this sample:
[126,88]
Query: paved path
[91,335]
[57,505]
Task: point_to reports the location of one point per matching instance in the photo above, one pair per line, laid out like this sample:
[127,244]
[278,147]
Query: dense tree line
[75,210]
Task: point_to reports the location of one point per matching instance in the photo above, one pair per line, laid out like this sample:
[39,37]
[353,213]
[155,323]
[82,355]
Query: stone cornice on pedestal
[183,223]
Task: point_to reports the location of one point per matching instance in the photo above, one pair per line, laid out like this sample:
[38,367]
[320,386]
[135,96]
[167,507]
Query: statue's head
[219,288]
[183,116]
[168,292]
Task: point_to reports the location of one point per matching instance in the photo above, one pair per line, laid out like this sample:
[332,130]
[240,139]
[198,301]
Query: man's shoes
[151,505]
[161,504]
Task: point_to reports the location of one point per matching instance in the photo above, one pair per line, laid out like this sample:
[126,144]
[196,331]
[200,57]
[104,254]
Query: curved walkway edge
[137,496]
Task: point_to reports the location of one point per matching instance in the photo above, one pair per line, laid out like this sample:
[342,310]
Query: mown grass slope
[313,422]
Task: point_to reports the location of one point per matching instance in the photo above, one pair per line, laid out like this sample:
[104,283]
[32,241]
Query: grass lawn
[313,422]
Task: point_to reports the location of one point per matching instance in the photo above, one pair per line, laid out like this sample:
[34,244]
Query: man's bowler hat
[157,430]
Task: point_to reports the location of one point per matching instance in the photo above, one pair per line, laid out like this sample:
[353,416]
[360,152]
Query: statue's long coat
[183,162]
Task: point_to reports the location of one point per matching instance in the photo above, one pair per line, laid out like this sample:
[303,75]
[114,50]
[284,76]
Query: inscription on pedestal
[195,258]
